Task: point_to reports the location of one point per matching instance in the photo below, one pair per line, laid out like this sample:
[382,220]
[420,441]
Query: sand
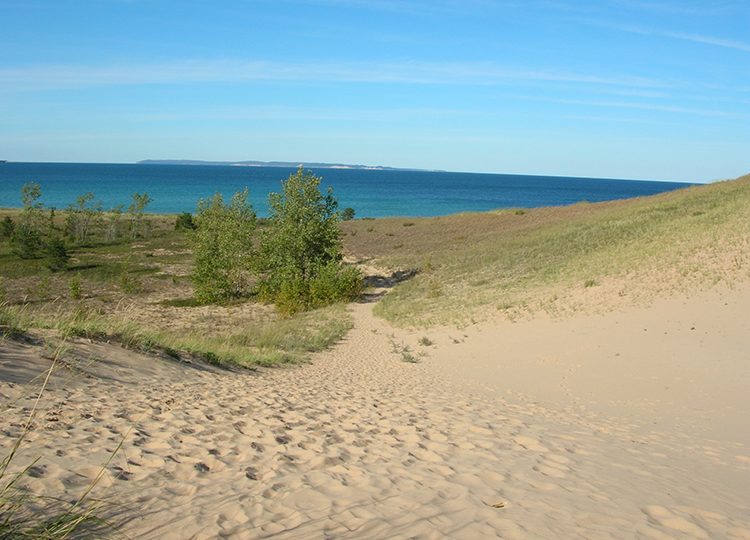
[632,424]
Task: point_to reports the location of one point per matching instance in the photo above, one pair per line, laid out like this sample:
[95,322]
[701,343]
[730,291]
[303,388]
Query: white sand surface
[628,425]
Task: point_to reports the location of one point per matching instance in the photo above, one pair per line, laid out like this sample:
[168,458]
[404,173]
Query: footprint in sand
[530,444]
[663,517]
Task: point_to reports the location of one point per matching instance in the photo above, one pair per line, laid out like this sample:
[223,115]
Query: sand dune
[593,427]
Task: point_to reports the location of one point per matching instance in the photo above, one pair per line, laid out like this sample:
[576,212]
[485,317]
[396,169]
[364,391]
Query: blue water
[177,188]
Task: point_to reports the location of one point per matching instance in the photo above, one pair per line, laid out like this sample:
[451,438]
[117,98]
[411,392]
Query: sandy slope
[532,430]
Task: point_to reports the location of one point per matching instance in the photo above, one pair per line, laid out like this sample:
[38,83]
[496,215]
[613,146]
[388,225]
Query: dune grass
[24,514]
[475,264]
[272,342]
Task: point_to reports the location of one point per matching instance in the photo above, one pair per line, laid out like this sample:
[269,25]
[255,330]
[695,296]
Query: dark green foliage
[57,254]
[184,222]
[300,257]
[223,248]
[27,241]
[7,226]
[347,214]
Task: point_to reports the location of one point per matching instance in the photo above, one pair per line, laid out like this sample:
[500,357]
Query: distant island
[285,164]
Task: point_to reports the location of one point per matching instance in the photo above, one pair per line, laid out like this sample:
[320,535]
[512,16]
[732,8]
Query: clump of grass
[408,224]
[306,332]
[590,283]
[3,290]
[14,320]
[404,351]
[273,342]
[75,287]
[129,284]
[425,341]
[26,515]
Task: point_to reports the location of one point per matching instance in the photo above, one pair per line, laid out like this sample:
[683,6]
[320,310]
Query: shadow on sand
[382,284]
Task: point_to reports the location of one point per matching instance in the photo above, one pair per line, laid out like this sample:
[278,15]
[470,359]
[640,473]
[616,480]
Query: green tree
[112,229]
[82,217]
[300,259]
[27,235]
[347,214]
[57,254]
[138,226]
[223,248]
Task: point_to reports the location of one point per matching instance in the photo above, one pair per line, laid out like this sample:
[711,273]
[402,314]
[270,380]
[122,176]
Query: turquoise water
[372,193]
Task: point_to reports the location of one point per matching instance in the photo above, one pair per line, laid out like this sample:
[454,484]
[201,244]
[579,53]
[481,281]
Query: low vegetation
[190,285]
[474,266]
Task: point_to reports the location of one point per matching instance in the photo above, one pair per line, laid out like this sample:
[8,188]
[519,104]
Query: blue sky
[652,89]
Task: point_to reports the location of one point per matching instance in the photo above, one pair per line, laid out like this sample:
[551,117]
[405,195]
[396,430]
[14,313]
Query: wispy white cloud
[42,77]
[710,40]
[716,113]
[680,7]
[684,36]
[619,120]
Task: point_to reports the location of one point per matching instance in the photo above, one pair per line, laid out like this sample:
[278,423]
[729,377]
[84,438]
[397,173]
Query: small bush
[347,214]
[27,242]
[130,284]
[184,222]
[334,283]
[75,287]
[7,226]
[57,255]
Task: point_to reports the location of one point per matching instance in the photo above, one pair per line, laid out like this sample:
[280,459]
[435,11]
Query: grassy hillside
[473,266]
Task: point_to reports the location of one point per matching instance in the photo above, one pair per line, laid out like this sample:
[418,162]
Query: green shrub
[300,257]
[129,284]
[75,287]
[333,283]
[57,254]
[184,222]
[347,214]
[223,248]
[7,226]
[27,241]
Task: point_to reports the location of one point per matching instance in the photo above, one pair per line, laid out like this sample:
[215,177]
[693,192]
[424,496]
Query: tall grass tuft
[26,515]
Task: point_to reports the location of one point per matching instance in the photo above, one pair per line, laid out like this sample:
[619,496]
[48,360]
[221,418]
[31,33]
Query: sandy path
[360,444]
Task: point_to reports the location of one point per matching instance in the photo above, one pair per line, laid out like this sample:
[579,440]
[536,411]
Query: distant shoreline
[280,164]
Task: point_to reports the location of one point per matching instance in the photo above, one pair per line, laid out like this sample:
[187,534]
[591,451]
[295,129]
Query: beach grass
[267,343]
[473,265]
[24,514]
